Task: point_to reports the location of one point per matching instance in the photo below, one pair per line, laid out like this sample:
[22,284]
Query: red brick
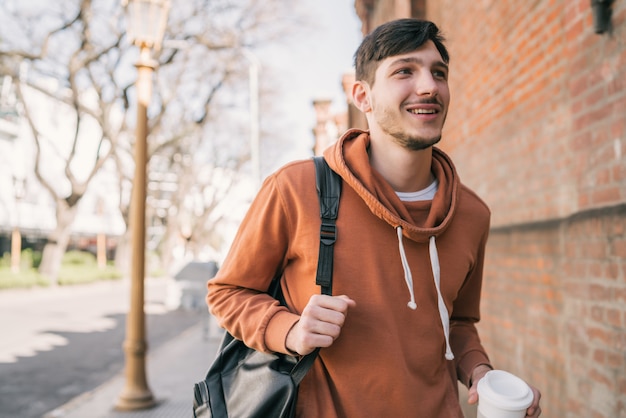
[600,335]
[606,195]
[597,313]
[601,379]
[599,292]
[612,270]
[614,317]
[618,248]
[615,360]
[599,356]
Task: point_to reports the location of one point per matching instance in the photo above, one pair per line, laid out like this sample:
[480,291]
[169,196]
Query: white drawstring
[443,310]
[408,278]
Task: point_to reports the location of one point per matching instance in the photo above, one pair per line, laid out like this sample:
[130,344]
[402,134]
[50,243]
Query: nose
[426,84]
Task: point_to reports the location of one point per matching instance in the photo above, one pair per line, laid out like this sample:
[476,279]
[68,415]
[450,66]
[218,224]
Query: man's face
[409,98]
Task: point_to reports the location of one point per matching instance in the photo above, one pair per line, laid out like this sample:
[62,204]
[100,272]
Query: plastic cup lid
[505,390]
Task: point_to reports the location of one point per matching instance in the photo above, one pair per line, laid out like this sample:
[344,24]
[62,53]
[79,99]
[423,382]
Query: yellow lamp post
[146,21]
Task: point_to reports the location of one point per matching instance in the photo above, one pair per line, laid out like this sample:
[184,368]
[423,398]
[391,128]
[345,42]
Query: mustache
[428,100]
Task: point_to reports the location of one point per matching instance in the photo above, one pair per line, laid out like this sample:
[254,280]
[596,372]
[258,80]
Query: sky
[311,70]
[314,69]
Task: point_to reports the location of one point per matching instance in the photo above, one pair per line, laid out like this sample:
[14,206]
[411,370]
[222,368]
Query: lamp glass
[146,22]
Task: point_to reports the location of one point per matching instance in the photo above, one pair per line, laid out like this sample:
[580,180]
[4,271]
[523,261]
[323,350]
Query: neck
[405,170]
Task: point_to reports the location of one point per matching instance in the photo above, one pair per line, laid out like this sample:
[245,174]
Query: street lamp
[146,20]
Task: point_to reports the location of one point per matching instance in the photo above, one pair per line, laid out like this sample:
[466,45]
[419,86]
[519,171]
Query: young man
[408,256]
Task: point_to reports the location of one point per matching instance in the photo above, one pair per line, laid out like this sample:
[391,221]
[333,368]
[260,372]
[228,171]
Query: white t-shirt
[420,195]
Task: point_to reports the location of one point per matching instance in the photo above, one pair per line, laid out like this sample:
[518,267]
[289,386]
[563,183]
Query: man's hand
[320,323]
[479,372]
[533,411]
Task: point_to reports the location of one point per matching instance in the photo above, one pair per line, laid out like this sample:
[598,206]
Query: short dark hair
[395,38]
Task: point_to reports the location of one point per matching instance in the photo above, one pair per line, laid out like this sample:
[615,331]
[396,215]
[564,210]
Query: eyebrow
[413,60]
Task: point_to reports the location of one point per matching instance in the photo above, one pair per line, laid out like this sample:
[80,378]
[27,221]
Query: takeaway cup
[503,395]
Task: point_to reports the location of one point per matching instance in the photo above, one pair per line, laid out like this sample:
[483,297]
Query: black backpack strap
[328,185]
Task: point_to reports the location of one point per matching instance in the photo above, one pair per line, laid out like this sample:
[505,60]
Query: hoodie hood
[350,159]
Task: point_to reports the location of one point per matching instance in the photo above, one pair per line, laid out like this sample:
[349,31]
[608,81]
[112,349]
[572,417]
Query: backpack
[245,383]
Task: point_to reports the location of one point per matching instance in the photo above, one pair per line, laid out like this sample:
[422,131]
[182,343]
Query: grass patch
[72,274]
[23,279]
[77,267]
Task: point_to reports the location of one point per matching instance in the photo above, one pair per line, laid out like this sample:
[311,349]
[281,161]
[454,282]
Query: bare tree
[201,131]
[76,56]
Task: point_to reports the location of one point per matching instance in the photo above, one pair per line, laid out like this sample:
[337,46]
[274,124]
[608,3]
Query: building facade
[537,127]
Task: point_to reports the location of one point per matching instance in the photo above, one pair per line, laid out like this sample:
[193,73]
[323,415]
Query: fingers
[349,301]
[478,373]
[324,316]
[472,395]
[320,323]
[534,410]
[331,309]
[536,413]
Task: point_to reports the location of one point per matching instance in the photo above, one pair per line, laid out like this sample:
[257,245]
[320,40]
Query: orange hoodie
[413,268]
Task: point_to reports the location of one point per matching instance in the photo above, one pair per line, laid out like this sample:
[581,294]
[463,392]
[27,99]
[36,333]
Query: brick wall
[540,99]
[537,127]
[554,310]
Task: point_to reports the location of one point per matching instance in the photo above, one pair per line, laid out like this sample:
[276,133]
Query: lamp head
[146,21]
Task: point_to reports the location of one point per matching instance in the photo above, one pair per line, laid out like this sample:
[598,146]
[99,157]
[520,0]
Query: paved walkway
[172,370]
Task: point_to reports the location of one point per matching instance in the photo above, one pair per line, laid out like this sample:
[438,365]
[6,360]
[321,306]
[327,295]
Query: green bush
[79,258]
[28,259]
[5,261]
[35,257]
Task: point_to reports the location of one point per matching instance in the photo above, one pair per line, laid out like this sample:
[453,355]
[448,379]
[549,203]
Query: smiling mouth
[423,111]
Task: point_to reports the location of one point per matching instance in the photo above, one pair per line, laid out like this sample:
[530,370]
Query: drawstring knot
[408,277]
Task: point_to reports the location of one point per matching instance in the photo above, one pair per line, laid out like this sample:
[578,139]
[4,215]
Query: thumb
[472,396]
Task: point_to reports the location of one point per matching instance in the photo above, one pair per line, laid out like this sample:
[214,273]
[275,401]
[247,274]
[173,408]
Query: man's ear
[361,96]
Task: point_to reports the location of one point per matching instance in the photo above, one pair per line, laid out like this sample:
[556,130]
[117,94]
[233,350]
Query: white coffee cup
[503,395]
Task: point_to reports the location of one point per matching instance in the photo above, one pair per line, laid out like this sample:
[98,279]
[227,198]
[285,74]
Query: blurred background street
[62,342]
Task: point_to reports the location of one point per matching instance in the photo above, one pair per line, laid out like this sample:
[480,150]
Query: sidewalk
[172,370]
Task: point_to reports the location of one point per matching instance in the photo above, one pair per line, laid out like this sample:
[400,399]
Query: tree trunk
[122,254]
[57,243]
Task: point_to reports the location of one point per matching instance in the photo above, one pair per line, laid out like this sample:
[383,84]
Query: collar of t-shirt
[420,195]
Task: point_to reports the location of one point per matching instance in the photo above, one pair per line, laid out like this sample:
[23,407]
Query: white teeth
[423,111]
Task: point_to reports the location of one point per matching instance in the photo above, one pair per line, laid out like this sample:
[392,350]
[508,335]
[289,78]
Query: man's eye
[403,71]
[440,74]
